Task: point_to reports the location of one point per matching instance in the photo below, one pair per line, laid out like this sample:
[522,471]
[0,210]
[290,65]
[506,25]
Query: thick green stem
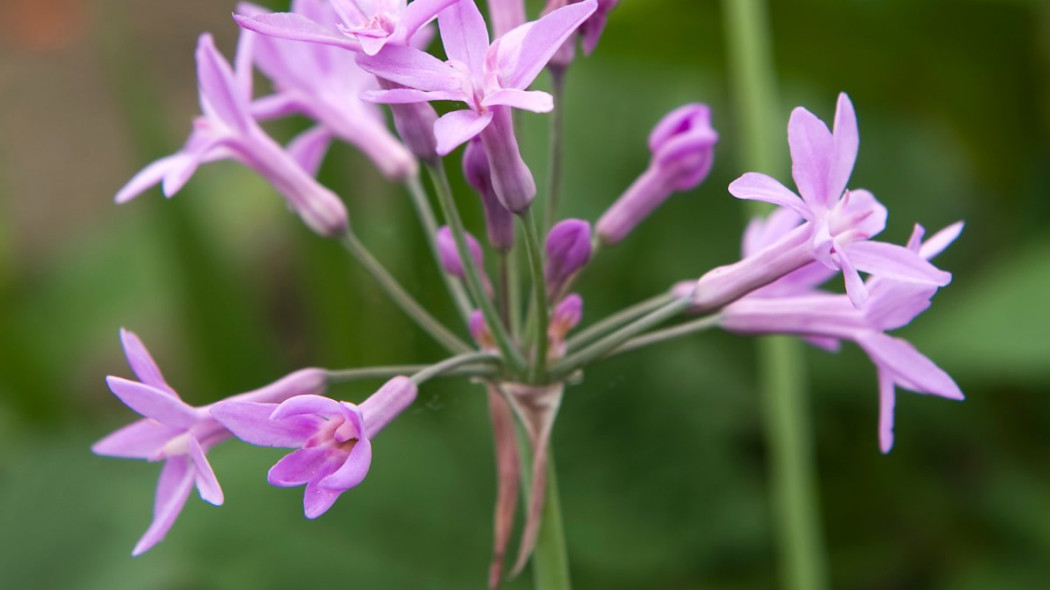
[539,290]
[613,341]
[616,320]
[792,469]
[550,558]
[430,228]
[474,285]
[399,296]
[556,141]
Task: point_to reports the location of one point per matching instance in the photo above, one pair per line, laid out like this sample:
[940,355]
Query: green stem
[556,145]
[401,297]
[616,320]
[613,341]
[474,285]
[455,362]
[550,558]
[430,228]
[539,289]
[655,337]
[783,381]
[370,373]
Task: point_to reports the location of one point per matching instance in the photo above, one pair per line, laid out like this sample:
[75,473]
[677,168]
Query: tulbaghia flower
[490,79]
[325,84]
[568,251]
[499,221]
[682,144]
[333,438]
[177,433]
[589,32]
[839,223]
[227,129]
[825,319]
[366,26]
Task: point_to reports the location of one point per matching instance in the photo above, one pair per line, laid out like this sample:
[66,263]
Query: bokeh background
[661,455]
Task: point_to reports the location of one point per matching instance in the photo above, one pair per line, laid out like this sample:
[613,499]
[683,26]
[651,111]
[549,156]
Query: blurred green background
[661,456]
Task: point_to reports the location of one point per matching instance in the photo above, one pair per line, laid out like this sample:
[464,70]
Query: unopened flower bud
[415,125]
[511,177]
[479,331]
[449,255]
[568,250]
[683,150]
[499,221]
[567,315]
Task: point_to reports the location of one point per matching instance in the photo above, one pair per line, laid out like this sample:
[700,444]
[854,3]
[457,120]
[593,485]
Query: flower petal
[287,25]
[221,97]
[812,149]
[351,472]
[895,262]
[524,52]
[173,488]
[138,440]
[887,400]
[413,68]
[251,423]
[463,34]
[855,287]
[754,186]
[153,403]
[307,404]
[149,177]
[298,467]
[536,101]
[308,148]
[142,364]
[846,141]
[410,95]
[458,127]
[420,12]
[204,476]
[940,240]
[910,369]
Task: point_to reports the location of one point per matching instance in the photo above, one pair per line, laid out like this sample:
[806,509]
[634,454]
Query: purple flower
[227,129]
[568,251]
[333,439]
[825,319]
[364,26]
[682,144]
[499,221]
[590,31]
[177,433]
[325,84]
[838,223]
[490,79]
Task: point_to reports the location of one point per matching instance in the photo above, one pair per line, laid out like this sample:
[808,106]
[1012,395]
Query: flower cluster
[336,62]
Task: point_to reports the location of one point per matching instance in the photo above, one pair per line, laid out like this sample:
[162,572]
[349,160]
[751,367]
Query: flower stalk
[539,288]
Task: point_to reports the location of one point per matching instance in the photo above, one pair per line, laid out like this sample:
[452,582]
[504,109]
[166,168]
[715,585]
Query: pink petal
[317,500]
[221,98]
[142,364]
[309,148]
[409,96]
[153,403]
[525,51]
[754,186]
[242,63]
[855,287]
[413,68]
[458,127]
[251,423]
[173,488]
[536,101]
[940,240]
[846,141]
[149,177]
[138,440]
[299,467]
[307,404]
[464,35]
[420,12]
[353,471]
[286,25]
[275,106]
[891,261]
[910,369]
[812,150]
[204,476]
[887,400]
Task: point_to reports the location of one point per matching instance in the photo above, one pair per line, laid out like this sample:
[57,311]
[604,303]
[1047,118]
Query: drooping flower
[568,250]
[333,439]
[490,79]
[682,146]
[825,319]
[838,222]
[228,129]
[367,26]
[325,84]
[178,434]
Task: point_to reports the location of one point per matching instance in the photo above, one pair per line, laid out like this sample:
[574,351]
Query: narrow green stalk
[514,291]
[617,320]
[503,291]
[657,336]
[783,381]
[613,341]
[397,293]
[430,228]
[556,141]
[539,290]
[370,373]
[550,558]
[474,285]
[449,364]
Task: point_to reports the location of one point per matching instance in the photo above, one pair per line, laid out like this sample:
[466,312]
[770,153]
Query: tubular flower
[490,79]
[838,222]
[568,251]
[227,129]
[177,433]
[333,439]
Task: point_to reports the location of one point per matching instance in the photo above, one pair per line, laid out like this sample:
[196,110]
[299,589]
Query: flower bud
[568,250]
[499,221]
[567,315]
[682,144]
[449,255]
[479,331]
[386,404]
[511,177]
[415,125]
